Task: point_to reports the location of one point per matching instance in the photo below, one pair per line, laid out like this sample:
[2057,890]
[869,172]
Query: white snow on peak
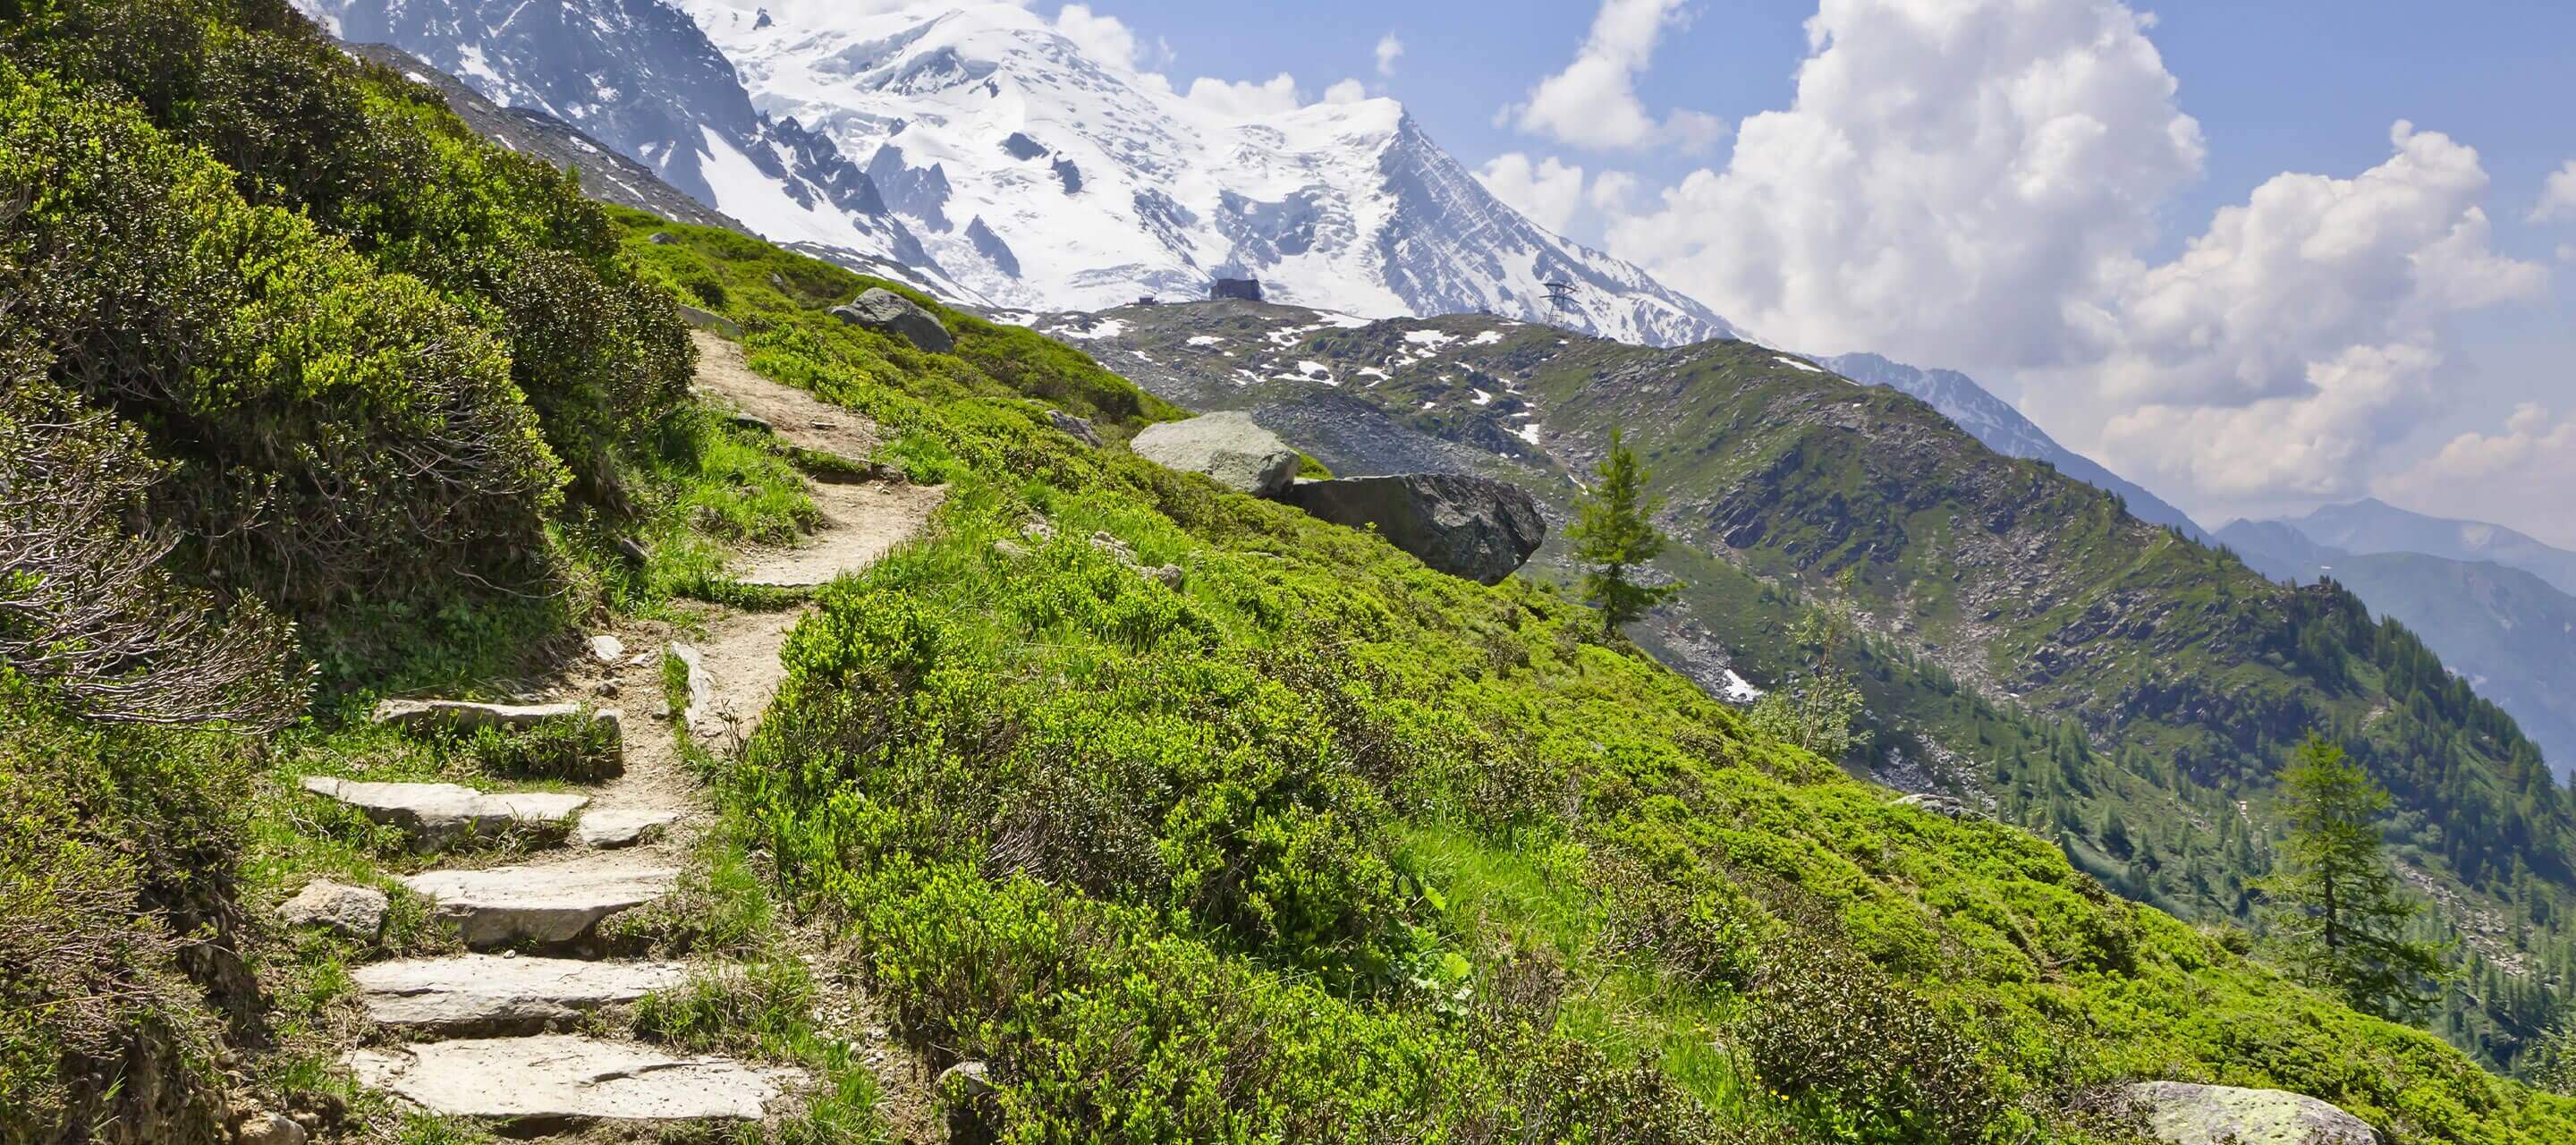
[1488,338]
[1432,338]
[1206,340]
[1787,361]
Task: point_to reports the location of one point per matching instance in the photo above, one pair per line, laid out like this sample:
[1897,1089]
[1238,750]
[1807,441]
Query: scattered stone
[460,716]
[623,827]
[634,550]
[607,649]
[435,814]
[605,689]
[1038,529]
[1472,527]
[558,1081]
[968,1089]
[357,912]
[265,1128]
[746,421]
[662,238]
[2186,1114]
[1226,446]
[1080,429]
[1941,805]
[1169,576]
[480,994]
[887,312]
[548,905]
[700,714]
[1118,550]
[1011,550]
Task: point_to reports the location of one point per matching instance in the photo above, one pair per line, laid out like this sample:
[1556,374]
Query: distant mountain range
[2494,604]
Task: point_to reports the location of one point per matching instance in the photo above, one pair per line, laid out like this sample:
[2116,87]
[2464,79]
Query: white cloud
[1347,91]
[1389,49]
[1593,102]
[2522,473]
[1973,183]
[2300,332]
[2557,196]
[1549,191]
[1244,99]
[1106,39]
[2567,252]
[1948,175]
[1612,191]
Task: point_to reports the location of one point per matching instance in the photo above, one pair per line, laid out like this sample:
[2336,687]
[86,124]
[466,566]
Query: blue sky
[2227,390]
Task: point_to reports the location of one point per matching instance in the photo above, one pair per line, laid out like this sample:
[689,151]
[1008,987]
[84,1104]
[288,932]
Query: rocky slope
[2037,648]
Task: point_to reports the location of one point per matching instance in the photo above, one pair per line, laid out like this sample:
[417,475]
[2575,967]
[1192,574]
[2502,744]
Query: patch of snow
[1374,372]
[1432,338]
[1528,433]
[1488,338]
[1738,689]
[1793,362]
[1206,340]
[1104,328]
[1483,398]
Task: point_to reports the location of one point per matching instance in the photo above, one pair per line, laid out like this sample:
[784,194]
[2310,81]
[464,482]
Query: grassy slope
[2097,679]
[1095,831]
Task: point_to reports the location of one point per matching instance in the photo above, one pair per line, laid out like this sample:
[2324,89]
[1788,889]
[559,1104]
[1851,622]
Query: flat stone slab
[2182,1113]
[439,812]
[462,716]
[483,994]
[550,905]
[556,1081]
[610,829]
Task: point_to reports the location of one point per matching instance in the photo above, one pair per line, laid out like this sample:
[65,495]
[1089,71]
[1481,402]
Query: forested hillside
[1298,841]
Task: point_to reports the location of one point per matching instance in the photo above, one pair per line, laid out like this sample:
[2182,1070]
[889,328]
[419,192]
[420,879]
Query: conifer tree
[2335,907]
[1614,534]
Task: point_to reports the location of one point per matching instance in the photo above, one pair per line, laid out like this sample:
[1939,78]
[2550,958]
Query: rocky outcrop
[1226,446]
[1472,527]
[2186,1114]
[887,312]
[1080,429]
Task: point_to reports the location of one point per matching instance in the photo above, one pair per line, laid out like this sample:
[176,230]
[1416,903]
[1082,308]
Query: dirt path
[798,418]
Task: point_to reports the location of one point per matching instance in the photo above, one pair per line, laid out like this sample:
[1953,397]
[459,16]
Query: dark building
[1244,289]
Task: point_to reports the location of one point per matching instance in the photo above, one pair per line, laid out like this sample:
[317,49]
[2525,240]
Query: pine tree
[2335,907]
[1614,533]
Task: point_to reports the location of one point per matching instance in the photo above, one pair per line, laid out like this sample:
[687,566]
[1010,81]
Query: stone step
[555,1082]
[435,814]
[482,994]
[610,828]
[462,716]
[548,905]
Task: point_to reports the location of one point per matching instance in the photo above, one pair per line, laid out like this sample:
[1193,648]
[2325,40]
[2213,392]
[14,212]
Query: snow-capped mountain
[638,76]
[1996,424]
[977,142]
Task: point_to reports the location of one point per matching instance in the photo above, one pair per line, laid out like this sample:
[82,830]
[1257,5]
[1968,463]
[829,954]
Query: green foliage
[2337,911]
[1614,534]
[119,855]
[578,748]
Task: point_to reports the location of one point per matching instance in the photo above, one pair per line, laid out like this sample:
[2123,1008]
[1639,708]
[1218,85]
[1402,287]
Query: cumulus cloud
[1973,183]
[1106,38]
[1347,91]
[2522,473]
[1389,50]
[2301,330]
[1244,99]
[2557,196]
[1549,191]
[1593,102]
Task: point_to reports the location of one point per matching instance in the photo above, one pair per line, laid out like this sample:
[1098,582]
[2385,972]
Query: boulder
[1080,429]
[265,1128]
[1226,446]
[357,912]
[887,312]
[710,321]
[1472,527]
[2185,1114]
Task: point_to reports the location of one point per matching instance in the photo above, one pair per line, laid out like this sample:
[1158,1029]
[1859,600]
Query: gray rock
[265,1128]
[607,649]
[558,1081]
[710,321]
[1226,446]
[2186,1114]
[548,905]
[700,715]
[358,912]
[887,312]
[662,238]
[623,827]
[435,814]
[1080,428]
[478,994]
[1472,527]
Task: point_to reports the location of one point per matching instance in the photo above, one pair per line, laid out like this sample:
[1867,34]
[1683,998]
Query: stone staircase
[497,1033]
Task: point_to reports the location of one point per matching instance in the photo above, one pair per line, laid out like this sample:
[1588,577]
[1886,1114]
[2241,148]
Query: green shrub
[579,749]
